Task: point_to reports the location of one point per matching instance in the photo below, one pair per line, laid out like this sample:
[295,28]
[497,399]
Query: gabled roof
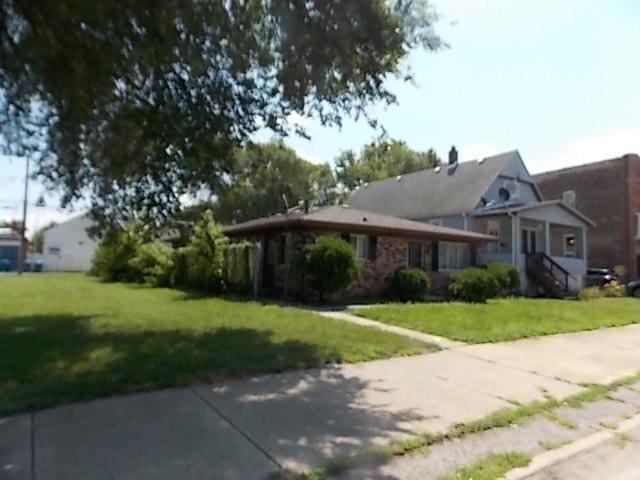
[351,220]
[532,206]
[447,190]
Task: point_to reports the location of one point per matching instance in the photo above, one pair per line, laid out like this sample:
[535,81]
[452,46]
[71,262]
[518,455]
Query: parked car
[5,265]
[633,288]
[599,277]
[33,264]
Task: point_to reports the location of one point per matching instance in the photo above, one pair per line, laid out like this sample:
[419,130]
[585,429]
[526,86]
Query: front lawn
[66,337]
[507,319]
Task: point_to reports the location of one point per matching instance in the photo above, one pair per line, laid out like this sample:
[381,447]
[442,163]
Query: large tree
[266,179]
[136,102]
[382,159]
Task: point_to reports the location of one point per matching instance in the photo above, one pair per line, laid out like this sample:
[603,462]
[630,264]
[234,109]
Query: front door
[529,241]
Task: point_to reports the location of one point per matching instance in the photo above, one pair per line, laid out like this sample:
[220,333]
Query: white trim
[360,246]
[436,221]
[575,245]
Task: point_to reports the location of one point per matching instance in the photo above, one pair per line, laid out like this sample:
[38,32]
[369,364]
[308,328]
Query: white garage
[67,247]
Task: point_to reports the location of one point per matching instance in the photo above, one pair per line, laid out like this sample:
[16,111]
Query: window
[529,241]
[569,198]
[638,226]
[453,256]
[415,254]
[360,245]
[570,245]
[54,250]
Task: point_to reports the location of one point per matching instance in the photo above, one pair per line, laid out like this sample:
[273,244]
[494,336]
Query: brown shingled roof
[351,220]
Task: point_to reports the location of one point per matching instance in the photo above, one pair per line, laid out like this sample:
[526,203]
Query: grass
[553,444]
[507,319]
[67,337]
[491,467]
[500,419]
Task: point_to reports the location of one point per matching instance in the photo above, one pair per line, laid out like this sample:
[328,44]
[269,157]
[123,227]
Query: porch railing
[549,273]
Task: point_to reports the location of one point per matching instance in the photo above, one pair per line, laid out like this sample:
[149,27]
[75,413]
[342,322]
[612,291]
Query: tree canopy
[379,160]
[267,175]
[134,103]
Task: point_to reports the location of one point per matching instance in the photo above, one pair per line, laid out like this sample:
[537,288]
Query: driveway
[246,429]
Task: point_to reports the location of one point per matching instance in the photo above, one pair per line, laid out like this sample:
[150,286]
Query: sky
[559,80]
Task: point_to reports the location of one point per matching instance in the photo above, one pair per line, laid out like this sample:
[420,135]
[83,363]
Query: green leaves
[379,160]
[139,102]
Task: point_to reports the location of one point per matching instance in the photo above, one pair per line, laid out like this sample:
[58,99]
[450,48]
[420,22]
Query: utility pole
[23,227]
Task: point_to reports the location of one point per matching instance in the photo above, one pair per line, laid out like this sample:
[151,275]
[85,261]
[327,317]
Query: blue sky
[558,80]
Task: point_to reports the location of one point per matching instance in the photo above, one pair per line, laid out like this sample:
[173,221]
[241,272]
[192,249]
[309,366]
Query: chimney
[453,155]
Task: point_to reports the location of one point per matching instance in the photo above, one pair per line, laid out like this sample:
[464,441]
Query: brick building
[608,192]
[382,244]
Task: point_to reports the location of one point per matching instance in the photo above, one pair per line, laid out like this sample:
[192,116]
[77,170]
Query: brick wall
[373,278]
[606,192]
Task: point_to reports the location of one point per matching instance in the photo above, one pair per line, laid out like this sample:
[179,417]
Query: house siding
[608,193]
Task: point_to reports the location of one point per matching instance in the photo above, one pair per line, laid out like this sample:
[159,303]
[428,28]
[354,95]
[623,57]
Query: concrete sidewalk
[246,429]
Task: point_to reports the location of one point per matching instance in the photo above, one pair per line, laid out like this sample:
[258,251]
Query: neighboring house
[9,248]
[609,193]
[382,244]
[67,246]
[545,239]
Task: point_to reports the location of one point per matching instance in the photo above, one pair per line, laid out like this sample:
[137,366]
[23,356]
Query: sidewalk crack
[236,428]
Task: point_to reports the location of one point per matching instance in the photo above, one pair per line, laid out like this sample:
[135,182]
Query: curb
[552,457]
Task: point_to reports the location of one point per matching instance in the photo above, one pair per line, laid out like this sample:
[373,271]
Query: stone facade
[607,192]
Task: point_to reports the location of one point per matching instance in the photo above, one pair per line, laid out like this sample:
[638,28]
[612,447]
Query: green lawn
[507,319]
[66,337]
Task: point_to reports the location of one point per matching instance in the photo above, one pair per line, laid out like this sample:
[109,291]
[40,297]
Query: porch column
[515,239]
[584,245]
[547,239]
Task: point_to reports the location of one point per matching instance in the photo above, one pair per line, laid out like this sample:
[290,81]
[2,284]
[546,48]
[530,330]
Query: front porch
[549,229]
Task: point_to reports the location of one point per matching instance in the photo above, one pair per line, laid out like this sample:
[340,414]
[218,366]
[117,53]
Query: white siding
[67,246]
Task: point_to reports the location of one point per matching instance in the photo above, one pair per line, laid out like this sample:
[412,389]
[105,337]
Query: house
[609,193]
[10,239]
[67,246]
[382,244]
[545,239]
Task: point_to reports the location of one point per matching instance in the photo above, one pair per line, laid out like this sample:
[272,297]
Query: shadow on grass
[52,359]
[302,418]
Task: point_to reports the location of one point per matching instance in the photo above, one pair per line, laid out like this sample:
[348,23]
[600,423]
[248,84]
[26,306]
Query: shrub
[589,293]
[613,289]
[330,263]
[239,267]
[111,260]
[154,261]
[205,255]
[474,285]
[506,275]
[409,284]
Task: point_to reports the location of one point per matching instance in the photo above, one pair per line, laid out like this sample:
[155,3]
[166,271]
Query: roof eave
[302,223]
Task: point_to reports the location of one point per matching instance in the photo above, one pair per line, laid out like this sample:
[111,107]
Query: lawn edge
[421,443]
